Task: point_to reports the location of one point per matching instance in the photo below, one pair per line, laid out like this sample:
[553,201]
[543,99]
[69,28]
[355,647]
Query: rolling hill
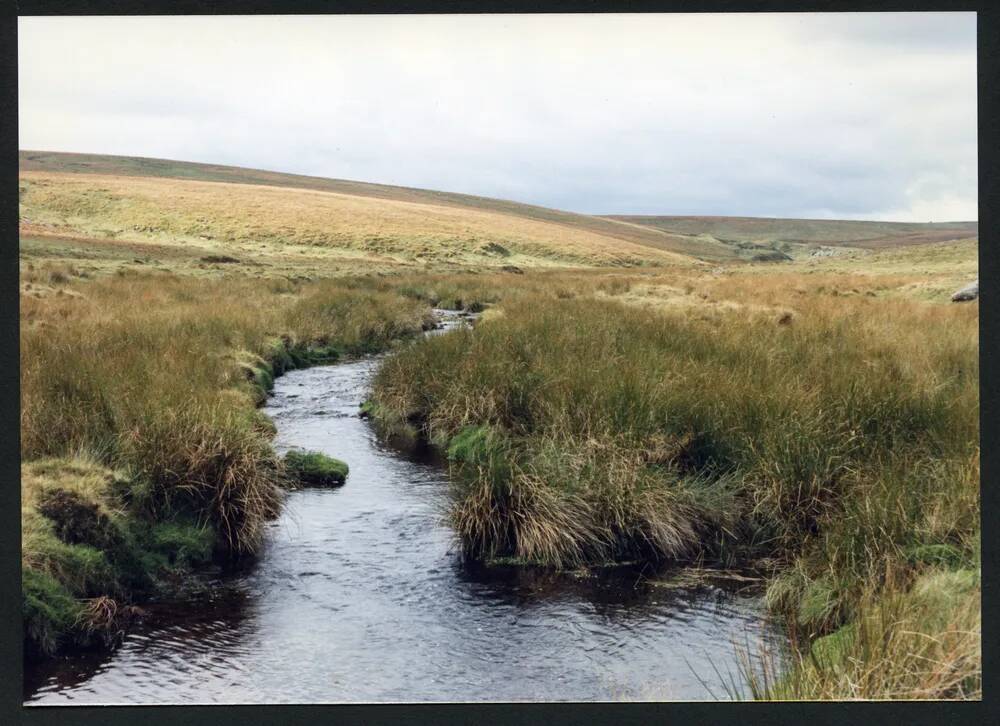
[102,206]
[749,233]
[138,199]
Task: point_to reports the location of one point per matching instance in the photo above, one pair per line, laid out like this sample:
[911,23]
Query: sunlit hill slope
[213,210]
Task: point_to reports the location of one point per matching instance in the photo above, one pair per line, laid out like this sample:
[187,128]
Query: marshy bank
[144,454]
[821,424]
[838,444]
[363,583]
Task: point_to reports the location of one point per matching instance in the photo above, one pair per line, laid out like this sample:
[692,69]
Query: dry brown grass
[260,220]
[862,234]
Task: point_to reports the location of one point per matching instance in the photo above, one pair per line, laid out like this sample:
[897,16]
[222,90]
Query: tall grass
[144,374]
[840,441]
[923,641]
[156,378]
[822,423]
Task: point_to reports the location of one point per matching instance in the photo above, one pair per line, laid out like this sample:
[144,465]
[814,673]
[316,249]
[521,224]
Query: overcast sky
[865,116]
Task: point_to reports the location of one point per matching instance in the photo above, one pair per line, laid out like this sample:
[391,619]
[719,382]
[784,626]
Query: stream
[360,595]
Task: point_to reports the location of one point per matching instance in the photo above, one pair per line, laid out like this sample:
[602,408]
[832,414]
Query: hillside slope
[101,196]
[769,231]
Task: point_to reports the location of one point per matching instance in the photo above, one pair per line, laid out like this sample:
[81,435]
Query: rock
[492,248]
[969,292]
[771,256]
[514,269]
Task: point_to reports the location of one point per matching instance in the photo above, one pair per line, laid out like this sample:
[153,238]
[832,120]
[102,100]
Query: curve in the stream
[360,596]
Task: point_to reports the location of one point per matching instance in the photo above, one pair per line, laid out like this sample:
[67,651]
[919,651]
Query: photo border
[938,713]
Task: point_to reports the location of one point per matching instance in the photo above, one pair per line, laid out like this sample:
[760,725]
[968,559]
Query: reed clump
[842,444]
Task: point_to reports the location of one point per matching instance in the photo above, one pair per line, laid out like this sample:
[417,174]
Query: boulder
[771,256]
[969,292]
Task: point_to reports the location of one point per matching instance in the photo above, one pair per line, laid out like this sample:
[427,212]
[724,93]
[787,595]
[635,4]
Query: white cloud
[860,115]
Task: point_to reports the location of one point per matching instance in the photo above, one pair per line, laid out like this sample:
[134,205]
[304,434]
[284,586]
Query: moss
[284,354]
[279,356]
[323,354]
[87,540]
[83,569]
[314,469]
[183,544]
[50,611]
[260,375]
[470,445]
[830,650]
[263,377]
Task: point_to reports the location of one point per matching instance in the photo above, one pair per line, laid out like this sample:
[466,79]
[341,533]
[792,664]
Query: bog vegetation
[138,423]
[834,435]
[815,420]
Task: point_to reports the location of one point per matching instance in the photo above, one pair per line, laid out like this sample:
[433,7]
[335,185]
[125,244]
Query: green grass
[85,552]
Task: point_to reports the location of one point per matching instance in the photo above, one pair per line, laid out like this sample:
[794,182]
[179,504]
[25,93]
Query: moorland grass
[141,444]
[241,219]
[835,434]
[820,419]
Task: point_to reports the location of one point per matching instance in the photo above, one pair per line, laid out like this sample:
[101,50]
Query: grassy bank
[143,452]
[823,425]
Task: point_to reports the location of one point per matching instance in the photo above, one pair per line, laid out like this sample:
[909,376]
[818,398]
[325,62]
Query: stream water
[360,596]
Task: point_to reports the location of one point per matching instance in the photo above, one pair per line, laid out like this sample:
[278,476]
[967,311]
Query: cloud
[842,115]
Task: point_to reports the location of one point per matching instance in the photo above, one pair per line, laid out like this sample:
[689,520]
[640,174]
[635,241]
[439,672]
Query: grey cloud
[785,115]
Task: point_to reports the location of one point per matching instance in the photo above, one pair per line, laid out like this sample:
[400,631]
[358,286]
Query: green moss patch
[89,549]
[183,544]
[50,611]
[470,445]
[311,468]
[832,649]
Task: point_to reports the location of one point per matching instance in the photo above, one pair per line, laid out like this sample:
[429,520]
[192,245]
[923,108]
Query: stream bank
[361,595]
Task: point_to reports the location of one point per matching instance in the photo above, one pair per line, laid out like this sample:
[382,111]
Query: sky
[839,116]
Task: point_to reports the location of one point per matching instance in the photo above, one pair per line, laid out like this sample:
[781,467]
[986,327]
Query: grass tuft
[311,468]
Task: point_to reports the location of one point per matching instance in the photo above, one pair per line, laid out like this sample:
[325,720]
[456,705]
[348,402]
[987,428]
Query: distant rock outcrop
[771,256]
[969,292]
